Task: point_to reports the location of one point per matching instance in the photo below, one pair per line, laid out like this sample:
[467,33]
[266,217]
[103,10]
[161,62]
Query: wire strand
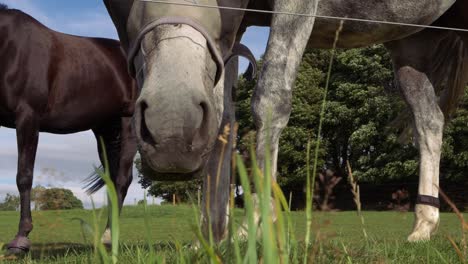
[305,15]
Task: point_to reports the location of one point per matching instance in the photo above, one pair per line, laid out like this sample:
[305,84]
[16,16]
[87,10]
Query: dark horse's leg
[217,182]
[120,144]
[27,133]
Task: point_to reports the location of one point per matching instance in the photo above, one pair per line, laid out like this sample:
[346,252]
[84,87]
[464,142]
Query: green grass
[57,238]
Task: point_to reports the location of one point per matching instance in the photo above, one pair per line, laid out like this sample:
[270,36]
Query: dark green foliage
[359,112]
[301,128]
[10,203]
[454,164]
[57,199]
[356,124]
[183,190]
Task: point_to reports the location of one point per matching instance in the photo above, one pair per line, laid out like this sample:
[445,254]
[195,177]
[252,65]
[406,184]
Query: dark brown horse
[58,83]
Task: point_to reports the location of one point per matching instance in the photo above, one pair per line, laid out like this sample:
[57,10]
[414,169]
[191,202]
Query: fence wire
[195,4]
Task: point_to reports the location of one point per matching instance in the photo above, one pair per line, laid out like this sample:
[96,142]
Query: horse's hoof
[18,246]
[16,251]
[419,236]
[106,238]
[426,223]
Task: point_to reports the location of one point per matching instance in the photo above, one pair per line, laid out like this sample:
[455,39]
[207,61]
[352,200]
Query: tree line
[44,199]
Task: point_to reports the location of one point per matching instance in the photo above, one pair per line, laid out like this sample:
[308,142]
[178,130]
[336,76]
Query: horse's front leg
[271,101]
[128,149]
[217,181]
[27,133]
[120,143]
[412,60]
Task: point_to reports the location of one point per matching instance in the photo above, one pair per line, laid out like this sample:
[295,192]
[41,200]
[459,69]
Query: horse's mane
[3,6]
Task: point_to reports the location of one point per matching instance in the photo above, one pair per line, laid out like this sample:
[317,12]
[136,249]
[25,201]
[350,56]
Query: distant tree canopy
[183,190]
[55,199]
[358,126]
[356,122]
[10,203]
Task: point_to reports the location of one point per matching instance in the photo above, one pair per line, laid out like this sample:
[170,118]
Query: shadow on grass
[60,250]
[41,250]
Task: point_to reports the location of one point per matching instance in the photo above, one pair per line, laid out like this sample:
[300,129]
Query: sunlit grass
[387,233]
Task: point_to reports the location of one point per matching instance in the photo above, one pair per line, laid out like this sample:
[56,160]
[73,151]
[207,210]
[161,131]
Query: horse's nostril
[202,126]
[144,131]
[204,108]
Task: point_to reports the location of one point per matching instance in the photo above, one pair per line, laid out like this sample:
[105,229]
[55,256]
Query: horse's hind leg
[411,58]
[27,133]
[120,143]
[128,151]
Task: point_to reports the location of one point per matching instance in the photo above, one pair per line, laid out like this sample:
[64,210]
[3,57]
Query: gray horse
[184,115]
[177,51]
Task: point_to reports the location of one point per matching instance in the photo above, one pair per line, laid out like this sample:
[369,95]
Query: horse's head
[176,53]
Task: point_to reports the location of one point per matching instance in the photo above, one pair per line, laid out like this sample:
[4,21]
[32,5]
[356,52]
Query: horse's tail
[448,72]
[455,77]
[94,182]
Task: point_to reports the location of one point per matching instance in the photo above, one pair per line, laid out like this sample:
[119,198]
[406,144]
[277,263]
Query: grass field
[57,237]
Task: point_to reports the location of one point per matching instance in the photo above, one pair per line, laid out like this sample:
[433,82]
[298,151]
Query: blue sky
[65,161]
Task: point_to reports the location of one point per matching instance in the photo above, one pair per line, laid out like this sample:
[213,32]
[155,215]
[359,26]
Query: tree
[183,190]
[37,195]
[57,199]
[301,128]
[10,203]
[359,109]
[357,122]
[454,163]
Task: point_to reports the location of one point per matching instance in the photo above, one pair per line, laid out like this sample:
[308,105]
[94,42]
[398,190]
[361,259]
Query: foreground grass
[337,237]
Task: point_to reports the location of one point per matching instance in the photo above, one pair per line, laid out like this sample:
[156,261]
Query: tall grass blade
[207,247]
[457,249]
[114,204]
[251,256]
[464,225]
[308,205]
[441,258]
[311,182]
[98,246]
[268,234]
[233,240]
[152,254]
[357,199]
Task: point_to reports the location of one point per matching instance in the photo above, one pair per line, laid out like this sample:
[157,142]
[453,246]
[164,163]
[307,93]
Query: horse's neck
[119,11]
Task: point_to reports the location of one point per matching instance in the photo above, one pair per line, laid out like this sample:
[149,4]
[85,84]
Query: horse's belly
[83,117]
[83,107]
[358,34]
